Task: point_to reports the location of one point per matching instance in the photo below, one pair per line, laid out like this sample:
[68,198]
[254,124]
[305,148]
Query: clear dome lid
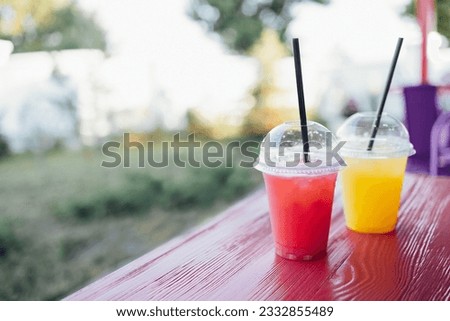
[391,140]
[281,151]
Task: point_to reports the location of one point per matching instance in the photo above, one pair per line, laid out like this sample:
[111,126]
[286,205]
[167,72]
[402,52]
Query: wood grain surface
[232,258]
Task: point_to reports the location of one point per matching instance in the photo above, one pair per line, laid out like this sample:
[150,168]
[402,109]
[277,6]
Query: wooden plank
[232,258]
[391,267]
[427,241]
[158,274]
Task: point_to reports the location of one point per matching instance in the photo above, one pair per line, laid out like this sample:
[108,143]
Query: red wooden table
[232,258]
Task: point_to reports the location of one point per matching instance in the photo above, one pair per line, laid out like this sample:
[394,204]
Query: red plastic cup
[300,195]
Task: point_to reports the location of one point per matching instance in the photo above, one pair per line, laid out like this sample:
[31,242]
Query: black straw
[377,121]
[301,99]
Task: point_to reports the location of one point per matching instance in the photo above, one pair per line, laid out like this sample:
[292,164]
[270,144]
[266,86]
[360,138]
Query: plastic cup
[372,181]
[300,194]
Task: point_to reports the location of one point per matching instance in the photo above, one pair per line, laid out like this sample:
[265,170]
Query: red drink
[300,213]
[300,193]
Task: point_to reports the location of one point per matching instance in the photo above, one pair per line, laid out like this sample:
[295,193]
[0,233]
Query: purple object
[421,113]
[440,145]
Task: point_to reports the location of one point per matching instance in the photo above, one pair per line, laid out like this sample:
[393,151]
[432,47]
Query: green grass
[65,220]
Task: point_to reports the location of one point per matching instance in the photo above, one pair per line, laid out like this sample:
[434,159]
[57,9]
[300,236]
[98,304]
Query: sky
[191,68]
[194,69]
[365,30]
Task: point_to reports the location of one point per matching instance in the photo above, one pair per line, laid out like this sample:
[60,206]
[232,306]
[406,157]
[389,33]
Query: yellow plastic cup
[373,180]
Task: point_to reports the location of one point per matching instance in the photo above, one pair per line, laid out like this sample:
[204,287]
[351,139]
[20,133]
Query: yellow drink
[372,190]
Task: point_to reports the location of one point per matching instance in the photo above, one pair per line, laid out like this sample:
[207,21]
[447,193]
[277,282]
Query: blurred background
[75,74]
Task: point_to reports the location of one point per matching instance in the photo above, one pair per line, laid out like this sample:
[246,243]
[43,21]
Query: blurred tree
[256,28]
[197,124]
[48,25]
[241,22]
[442,15]
[4,148]
[267,50]
[269,109]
